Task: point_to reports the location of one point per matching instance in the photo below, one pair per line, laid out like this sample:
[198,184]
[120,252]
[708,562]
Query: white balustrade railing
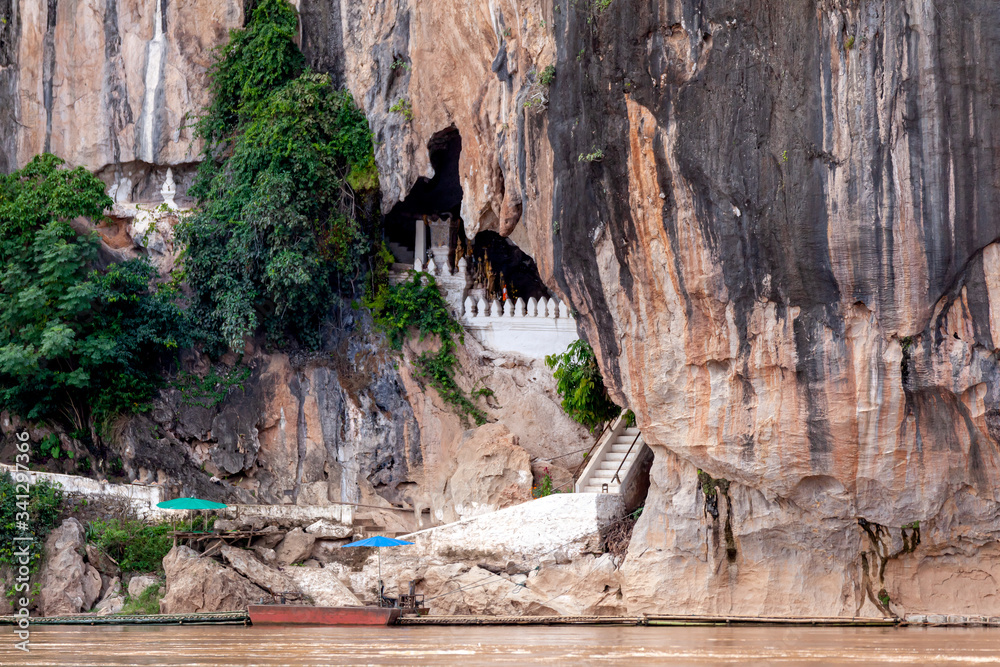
[535,328]
[532,309]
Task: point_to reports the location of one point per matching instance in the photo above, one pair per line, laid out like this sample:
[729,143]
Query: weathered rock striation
[774,219]
[111,85]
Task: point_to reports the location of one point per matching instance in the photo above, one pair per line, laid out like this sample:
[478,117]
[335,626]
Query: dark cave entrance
[430,200]
[636,487]
[496,263]
[434,205]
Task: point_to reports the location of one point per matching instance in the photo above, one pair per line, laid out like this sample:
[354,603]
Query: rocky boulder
[266,577]
[112,601]
[587,586]
[323,586]
[92,585]
[295,548]
[67,582]
[266,556]
[197,584]
[140,582]
[327,530]
[104,563]
[270,539]
[478,591]
[492,472]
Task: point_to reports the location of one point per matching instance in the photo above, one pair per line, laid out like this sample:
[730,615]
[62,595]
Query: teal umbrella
[190,504]
[378,541]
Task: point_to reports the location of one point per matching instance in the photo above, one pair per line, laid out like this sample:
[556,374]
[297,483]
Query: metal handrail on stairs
[596,451]
[590,451]
[616,478]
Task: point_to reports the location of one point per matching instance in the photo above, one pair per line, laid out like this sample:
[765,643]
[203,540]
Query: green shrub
[544,487]
[211,390]
[43,506]
[404,107]
[254,62]
[596,155]
[48,448]
[581,386]
[76,344]
[417,304]
[547,76]
[277,229]
[137,546]
[413,304]
[147,603]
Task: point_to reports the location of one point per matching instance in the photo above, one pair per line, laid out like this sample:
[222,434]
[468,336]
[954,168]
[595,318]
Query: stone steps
[614,458]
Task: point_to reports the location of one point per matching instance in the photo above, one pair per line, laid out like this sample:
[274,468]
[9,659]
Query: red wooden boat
[290,614]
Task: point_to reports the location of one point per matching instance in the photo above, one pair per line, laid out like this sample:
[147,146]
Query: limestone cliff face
[113,85]
[777,223]
[775,220]
[353,424]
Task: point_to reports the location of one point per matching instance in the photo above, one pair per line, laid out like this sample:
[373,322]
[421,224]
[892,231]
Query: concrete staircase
[611,460]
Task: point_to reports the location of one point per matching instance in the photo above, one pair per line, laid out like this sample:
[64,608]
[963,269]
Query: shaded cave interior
[432,208]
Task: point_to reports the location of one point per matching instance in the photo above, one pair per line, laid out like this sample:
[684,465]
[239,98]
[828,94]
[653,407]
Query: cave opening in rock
[430,200]
[497,264]
[636,486]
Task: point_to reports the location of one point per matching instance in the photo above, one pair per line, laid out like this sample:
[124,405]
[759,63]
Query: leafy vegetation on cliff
[581,385]
[44,503]
[277,236]
[417,304]
[136,546]
[76,344]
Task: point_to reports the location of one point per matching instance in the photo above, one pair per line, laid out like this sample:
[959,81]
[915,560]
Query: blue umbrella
[378,541]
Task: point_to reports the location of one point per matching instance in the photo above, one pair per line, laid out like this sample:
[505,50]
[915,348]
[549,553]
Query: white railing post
[519,307]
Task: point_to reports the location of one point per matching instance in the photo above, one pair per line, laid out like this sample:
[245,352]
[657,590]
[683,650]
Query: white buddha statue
[169,189]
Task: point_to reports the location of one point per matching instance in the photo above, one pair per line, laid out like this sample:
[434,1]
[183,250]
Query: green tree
[75,343]
[277,230]
[581,385]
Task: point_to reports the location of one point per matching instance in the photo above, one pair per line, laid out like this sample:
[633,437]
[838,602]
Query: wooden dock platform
[660,620]
[242,618]
[204,618]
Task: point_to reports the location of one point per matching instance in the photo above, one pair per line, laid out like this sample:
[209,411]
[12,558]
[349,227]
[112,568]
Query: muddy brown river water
[212,646]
